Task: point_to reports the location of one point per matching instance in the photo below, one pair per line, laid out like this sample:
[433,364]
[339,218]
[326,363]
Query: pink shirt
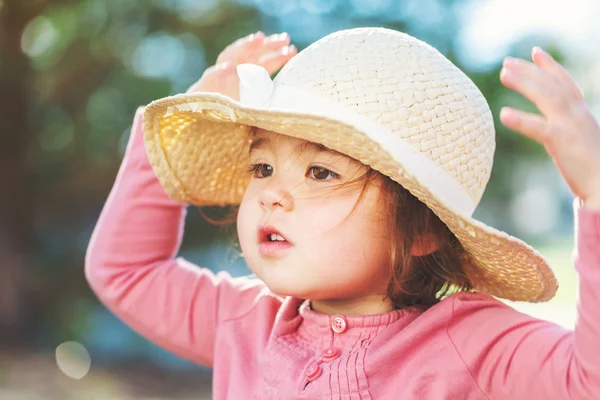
[262,346]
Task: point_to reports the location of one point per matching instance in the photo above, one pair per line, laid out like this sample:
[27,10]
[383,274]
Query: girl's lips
[274,249]
[269,248]
[266,231]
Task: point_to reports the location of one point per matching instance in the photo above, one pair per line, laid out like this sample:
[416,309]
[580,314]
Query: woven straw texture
[201,156]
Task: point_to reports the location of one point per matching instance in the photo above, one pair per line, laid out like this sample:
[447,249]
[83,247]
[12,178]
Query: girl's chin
[291,288]
[290,279]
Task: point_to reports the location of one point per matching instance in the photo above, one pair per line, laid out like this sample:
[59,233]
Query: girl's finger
[274,60]
[237,50]
[531,125]
[244,41]
[271,44]
[538,86]
[545,61]
[253,47]
[276,40]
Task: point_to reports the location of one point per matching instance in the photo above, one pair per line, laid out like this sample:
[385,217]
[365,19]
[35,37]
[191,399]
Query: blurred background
[72,73]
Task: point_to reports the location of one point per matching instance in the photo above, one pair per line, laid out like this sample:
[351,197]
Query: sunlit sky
[491,25]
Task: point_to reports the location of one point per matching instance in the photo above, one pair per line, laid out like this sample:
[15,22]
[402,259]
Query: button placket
[338,325]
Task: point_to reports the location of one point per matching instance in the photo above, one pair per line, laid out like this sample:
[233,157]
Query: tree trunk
[16,186]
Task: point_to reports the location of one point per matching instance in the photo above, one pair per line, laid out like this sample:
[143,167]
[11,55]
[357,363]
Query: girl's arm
[131,265]
[514,356]
[511,355]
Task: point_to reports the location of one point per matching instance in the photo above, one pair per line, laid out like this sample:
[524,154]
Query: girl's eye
[261,170]
[321,174]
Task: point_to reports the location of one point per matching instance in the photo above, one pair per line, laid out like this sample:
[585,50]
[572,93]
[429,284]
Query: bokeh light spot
[39,37]
[158,56]
[73,359]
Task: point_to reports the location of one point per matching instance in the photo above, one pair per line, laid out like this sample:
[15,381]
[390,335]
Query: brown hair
[419,280]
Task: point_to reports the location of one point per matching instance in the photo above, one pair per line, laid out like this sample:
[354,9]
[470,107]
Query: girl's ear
[425,244]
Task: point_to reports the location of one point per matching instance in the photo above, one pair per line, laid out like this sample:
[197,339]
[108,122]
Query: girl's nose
[272,198]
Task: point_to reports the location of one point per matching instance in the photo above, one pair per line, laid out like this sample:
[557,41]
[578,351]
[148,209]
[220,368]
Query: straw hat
[380,96]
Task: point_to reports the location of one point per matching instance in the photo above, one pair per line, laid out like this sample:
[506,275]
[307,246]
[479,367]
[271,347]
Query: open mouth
[273,243]
[268,234]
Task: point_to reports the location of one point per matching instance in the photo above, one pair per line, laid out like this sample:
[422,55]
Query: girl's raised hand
[270,52]
[566,128]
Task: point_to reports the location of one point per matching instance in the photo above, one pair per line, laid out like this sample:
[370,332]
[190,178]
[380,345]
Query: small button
[338,324]
[330,354]
[313,372]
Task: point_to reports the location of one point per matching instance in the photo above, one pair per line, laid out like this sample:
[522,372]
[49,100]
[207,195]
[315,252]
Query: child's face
[335,246]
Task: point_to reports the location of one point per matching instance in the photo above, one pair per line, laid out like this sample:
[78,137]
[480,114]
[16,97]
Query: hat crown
[409,88]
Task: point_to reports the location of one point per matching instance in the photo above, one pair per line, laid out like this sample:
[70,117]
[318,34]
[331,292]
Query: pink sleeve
[515,356]
[131,265]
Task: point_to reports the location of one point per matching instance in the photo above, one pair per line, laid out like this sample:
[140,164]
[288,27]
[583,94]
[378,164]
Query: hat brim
[200,157]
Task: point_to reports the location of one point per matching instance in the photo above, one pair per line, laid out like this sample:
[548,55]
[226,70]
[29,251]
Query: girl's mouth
[272,243]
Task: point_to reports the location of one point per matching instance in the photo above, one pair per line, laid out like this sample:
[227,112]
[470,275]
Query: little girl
[356,173]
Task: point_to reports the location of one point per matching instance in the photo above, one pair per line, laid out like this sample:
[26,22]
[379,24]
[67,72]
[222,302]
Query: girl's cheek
[250,195]
[329,216]
[244,219]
